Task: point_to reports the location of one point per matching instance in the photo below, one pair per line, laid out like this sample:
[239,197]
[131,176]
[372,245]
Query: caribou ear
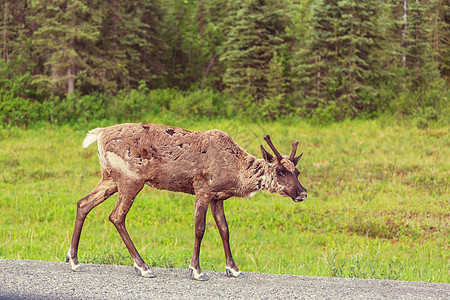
[297,159]
[267,156]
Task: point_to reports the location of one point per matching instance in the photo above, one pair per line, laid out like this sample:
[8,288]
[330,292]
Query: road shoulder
[25,279]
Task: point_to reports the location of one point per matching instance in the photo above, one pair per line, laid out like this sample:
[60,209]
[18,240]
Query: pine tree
[421,68]
[15,31]
[314,57]
[127,48]
[130,47]
[66,29]
[208,18]
[184,57]
[154,46]
[254,30]
[357,37]
[336,67]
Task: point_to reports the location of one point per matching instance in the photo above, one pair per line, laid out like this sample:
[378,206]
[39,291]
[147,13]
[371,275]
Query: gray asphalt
[25,279]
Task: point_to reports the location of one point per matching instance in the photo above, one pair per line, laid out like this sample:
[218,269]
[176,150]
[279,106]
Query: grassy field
[377,207]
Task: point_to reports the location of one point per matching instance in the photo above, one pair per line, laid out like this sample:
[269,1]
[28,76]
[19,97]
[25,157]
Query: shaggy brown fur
[208,164]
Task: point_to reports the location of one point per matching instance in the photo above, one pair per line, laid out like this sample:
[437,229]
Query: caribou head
[282,177]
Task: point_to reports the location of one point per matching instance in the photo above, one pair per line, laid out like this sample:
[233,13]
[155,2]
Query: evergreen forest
[328,60]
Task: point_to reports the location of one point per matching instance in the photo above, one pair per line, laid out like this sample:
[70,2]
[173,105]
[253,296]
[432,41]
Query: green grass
[377,207]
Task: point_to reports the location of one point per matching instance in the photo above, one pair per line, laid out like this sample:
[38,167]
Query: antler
[269,142]
[294,150]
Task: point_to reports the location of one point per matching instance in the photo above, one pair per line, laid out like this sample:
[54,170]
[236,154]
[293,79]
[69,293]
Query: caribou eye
[280,172]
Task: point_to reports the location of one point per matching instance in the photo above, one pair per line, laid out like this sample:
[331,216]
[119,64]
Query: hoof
[76,267]
[144,273]
[233,273]
[200,277]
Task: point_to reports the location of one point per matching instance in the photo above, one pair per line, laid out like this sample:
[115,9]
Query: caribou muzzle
[300,195]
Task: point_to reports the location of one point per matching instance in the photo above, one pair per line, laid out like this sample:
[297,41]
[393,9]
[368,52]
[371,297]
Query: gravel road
[25,279]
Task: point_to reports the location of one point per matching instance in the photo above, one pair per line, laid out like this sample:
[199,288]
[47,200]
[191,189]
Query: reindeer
[207,164]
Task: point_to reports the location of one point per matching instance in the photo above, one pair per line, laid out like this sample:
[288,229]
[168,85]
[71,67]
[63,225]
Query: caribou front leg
[201,207]
[221,222]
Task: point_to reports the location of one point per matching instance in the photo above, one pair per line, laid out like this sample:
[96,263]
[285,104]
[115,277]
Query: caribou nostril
[303,195]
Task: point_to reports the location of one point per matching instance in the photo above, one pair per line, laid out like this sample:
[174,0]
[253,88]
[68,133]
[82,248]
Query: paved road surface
[24,279]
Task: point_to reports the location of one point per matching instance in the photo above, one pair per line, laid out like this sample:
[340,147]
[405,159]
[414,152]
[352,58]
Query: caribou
[207,164]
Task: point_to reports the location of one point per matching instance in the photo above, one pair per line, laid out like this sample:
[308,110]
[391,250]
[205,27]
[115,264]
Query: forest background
[65,61]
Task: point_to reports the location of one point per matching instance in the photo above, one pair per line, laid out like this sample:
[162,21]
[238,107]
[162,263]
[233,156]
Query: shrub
[197,104]
[15,107]
[327,114]
[17,111]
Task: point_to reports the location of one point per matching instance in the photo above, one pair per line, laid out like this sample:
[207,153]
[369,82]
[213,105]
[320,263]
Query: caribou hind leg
[104,189]
[127,193]
[221,222]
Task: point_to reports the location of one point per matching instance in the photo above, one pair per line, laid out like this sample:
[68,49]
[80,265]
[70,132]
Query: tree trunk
[70,80]
[71,71]
[318,79]
[436,35]
[5,15]
[206,72]
[405,21]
